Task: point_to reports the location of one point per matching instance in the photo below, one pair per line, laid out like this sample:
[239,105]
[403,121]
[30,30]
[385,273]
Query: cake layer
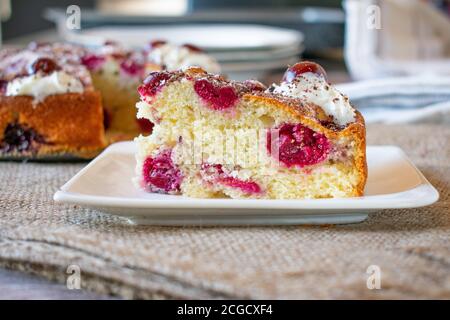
[219,138]
[118,102]
[69,123]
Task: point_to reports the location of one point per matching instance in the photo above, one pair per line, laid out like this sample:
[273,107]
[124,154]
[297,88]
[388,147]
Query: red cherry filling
[160,174]
[248,187]
[154,82]
[217,97]
[297,145]
[255,85]
[301,68]
[192,48]
[92,61]
[214,173]
[107,118]
[131,67]
[155,43]
[3,86]
[43,65]
[110,43]
[145,125]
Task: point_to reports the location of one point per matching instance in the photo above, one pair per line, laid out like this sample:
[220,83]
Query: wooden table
[21,286]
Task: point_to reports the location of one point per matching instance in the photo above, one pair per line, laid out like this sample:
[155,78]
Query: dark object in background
[27,16]
[208,4]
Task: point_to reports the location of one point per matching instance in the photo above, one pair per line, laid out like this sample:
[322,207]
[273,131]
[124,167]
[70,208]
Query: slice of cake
[48,105]
[219,138]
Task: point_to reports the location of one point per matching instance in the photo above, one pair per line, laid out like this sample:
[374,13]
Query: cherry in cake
[216,175]
[19,139]
[154,82]
[214,137]
[43,65]
[295,145]
[216,95]
[93,61]
[145,125]
[160,174]
[295,71]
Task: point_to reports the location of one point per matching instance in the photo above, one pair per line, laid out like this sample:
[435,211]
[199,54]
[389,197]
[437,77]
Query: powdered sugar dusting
[313,88]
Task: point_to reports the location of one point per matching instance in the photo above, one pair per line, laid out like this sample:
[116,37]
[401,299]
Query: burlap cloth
[411,247]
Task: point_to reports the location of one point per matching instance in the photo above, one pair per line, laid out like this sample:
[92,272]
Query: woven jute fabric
[411,246]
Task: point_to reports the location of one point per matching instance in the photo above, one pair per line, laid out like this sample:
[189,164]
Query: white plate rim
[425,194]
[292,37]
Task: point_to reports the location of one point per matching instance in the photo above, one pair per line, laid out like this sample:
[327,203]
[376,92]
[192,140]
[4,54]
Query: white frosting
[314,88]
[114,48]
[179,57]
[111,67]
[40,86]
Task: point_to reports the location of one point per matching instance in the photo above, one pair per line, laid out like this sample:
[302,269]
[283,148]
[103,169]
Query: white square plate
[105,184]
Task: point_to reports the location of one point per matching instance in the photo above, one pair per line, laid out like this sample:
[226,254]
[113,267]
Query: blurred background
[392,57]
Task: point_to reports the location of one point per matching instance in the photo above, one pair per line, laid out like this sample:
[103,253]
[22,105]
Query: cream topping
[314,88]
[178,57]
[40,86]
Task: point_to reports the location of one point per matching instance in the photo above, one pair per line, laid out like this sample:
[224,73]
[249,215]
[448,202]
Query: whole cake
[66,100]
[48,105]
[219,138]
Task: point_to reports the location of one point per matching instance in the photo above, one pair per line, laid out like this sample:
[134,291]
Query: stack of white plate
[244,51]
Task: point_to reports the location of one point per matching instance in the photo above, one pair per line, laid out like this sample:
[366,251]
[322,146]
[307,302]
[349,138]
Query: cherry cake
[48,105]
[213,137]
[117,71]
[58,99]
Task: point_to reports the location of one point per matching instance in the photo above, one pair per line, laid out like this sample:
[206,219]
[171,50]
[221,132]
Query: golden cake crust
[355,130]
[70,124]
